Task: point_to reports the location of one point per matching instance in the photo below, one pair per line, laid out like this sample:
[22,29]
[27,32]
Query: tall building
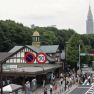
[33,26]
[89,22]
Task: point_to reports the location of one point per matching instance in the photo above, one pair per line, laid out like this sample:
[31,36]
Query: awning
[11,88]
[30,69]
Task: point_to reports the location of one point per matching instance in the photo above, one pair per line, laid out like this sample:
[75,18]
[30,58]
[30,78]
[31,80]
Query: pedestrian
[55,86]
[67,80]
[84,78]
[51,88]
[89,79]
[44,83]
[3,83]
[8,81]
[61,80]
[61,75]
[53,78]
[45,91]
[78,78]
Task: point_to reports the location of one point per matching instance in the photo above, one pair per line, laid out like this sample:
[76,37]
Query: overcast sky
[64,14]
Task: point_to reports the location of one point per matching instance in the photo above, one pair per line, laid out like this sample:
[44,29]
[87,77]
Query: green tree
[49,38]
[73,50]
[85,39]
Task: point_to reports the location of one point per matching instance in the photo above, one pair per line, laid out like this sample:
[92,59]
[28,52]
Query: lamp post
[1,80]
[65,65]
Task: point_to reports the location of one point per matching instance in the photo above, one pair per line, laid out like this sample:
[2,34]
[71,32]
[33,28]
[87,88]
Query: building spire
[89,21]
[89,13]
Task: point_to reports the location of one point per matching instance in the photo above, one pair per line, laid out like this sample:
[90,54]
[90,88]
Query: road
[85,88]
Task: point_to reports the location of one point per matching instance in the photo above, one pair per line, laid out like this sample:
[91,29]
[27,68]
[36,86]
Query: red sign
[29,58]
[41,58]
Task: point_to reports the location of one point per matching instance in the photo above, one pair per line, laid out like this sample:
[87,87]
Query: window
[34,38]
[38,38]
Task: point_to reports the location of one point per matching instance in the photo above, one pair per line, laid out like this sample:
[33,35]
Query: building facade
[89,22]
[13,62]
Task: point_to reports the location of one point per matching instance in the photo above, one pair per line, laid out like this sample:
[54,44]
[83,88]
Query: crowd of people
[71,78]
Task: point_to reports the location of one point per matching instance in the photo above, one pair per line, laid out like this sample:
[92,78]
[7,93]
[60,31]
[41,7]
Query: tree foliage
[12,34]
[73,50]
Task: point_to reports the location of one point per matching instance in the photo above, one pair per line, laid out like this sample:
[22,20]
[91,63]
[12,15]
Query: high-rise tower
[89,22]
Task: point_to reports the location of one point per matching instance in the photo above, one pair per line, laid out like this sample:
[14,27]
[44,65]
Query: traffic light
[90,54]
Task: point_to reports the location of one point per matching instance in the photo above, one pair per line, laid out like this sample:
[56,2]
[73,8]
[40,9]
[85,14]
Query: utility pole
[79,58]
[65,65]
[1,79]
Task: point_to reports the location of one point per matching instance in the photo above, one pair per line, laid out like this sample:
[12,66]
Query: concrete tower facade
[89,22]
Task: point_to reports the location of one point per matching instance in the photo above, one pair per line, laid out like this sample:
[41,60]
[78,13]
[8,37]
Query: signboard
[7,66]
[82,54]
[29,58]
[41,58]
[11,66]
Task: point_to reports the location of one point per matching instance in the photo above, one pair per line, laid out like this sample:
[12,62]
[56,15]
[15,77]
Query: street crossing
[90,90]
[86,82]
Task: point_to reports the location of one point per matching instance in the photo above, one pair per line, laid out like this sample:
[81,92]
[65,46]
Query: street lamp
[65,64]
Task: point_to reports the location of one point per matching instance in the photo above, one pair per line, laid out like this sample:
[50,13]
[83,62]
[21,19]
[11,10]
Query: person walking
[55,87]
[84,78]
[44,83]
[3,83]
[46,91]
[61,80]
[51,88]
[8,81]
[78,78]
[89,79]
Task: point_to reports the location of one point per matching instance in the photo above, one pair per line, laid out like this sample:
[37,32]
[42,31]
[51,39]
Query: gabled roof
[4,55]
[14,49]
[49,48]
[38,50]
[34,48]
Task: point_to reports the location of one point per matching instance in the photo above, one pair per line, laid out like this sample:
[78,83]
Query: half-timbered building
[14,64]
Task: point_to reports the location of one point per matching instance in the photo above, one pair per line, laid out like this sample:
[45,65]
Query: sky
[64,14]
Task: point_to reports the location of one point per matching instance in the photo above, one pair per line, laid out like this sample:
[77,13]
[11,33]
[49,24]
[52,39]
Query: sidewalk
[60,89]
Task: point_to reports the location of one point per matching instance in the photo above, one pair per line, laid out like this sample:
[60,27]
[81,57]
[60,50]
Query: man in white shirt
[51,88]
[61,80]
[8,82]
[44,83]
[3,83]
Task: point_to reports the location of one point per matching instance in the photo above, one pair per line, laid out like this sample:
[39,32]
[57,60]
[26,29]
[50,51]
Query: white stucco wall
[22,54]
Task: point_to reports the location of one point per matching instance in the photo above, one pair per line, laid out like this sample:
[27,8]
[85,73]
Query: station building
[14,65]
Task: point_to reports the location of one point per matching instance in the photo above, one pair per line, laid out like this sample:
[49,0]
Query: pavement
[60,89]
